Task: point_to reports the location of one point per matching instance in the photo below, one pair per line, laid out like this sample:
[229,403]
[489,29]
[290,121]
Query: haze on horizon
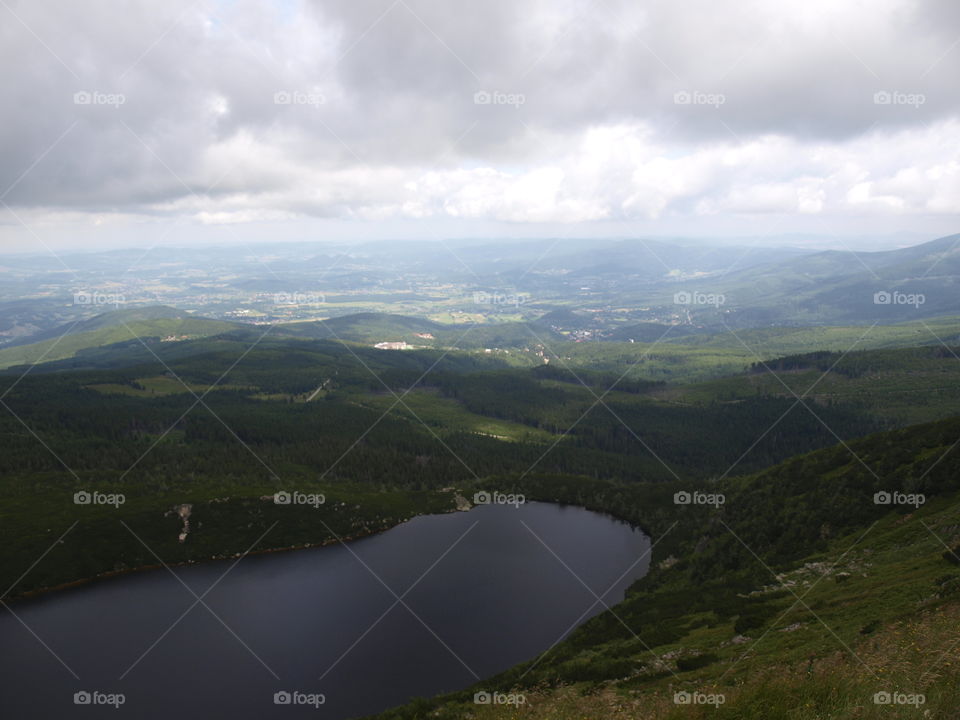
[216,122]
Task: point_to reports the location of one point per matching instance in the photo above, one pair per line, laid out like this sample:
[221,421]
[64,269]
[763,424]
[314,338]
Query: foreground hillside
[800,597]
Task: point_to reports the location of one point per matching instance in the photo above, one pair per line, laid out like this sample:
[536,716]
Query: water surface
[479,592]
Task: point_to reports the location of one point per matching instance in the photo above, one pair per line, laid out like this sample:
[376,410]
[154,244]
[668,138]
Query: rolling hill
[119,326]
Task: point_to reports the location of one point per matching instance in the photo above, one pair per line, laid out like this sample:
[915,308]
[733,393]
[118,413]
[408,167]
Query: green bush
[686,664]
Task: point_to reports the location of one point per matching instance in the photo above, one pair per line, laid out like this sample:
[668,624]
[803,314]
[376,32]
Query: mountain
[516,261]
[366,328]
[119,326]
[839,286]
[649,332]
[372,328]
[113,339]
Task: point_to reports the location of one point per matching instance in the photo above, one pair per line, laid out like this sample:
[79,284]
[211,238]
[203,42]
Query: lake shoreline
[81,582]
[460,507]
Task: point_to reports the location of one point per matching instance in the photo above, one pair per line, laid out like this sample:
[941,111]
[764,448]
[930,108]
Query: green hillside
[366,328]
[113,327]
[904,385]
[677,356]
[788,340]
[372,328]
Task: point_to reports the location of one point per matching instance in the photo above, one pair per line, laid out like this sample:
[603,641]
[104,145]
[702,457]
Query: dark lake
[321,620]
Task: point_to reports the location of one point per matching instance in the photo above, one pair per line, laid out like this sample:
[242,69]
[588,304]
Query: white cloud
[603,172]
[381,124]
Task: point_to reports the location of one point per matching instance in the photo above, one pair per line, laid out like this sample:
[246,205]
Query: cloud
[591,111]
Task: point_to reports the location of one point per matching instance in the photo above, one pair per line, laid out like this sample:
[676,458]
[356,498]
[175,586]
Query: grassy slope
[882,617]
[446,415]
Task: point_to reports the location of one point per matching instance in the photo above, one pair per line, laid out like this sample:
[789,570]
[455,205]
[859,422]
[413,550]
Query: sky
[178,122]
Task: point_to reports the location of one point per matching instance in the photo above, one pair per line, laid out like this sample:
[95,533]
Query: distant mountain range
[630,290]
[837,285]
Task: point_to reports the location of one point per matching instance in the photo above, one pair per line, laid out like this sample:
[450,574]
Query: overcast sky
[141,122]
